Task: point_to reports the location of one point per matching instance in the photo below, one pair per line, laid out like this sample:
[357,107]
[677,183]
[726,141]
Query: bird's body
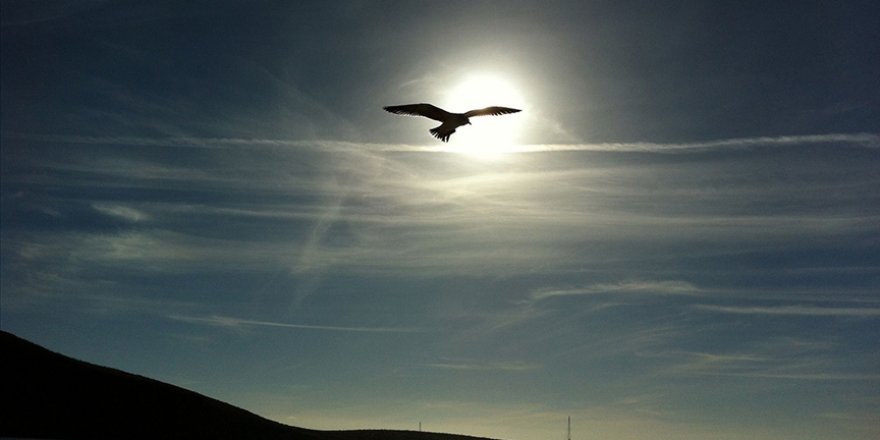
[449,121]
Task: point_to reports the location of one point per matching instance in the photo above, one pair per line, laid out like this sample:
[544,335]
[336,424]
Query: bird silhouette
[450,121]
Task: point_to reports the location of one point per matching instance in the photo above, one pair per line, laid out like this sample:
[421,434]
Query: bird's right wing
[426,110]
[492,111]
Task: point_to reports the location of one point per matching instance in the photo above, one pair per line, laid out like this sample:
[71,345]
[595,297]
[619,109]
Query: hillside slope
[48,395]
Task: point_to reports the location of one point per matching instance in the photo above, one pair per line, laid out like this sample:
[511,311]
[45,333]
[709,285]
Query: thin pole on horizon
[569,428]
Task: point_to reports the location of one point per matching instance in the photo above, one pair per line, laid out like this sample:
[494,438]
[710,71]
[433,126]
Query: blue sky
[677,238]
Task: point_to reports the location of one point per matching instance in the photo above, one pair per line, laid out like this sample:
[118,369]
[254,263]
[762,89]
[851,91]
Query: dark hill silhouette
[47,395]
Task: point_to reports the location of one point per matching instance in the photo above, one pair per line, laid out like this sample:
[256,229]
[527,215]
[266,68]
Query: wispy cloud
[795,310]
[231,322]
[221,143]
[346,206]
[665,287]
[514,366]
[803,376]
[863,140]
[119,211]
[782,358]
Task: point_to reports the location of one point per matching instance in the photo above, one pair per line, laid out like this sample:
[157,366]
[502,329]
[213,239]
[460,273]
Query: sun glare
[489,137]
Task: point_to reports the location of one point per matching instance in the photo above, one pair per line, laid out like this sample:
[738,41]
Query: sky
[677,238]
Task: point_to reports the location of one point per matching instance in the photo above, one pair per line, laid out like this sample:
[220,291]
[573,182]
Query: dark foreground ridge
[47,395]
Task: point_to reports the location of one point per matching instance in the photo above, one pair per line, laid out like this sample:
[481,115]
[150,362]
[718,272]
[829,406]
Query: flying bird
[450,121]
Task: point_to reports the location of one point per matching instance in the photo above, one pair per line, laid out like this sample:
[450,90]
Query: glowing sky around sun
[489,136]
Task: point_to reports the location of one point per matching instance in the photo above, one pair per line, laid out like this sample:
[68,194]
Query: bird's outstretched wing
[492,111]
[426,110]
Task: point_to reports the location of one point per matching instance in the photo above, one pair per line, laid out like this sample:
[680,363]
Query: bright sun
[488,136]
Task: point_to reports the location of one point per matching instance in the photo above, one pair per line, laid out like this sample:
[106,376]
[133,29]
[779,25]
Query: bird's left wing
[426,110]
[492,111]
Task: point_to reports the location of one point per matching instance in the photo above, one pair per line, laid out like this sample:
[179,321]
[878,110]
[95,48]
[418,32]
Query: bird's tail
[443,135]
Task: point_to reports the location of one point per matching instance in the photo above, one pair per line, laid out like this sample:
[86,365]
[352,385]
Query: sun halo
[489,137]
